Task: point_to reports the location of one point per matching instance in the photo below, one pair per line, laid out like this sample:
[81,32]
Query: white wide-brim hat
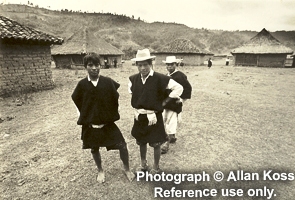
[142,55]
[171,59]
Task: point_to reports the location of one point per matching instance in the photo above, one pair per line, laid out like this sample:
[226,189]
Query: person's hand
[152,119]
[178,101]
[136,114]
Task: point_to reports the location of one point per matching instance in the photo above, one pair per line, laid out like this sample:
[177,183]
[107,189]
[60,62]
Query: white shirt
[93,82]
[170,75]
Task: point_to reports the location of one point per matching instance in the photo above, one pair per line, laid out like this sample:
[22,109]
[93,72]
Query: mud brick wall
[24,68]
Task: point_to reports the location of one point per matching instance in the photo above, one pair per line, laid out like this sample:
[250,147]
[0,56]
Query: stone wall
[24,68]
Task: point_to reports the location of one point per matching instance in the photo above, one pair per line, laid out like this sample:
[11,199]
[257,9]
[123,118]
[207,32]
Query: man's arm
[129,87]
[176,91]
[77,97]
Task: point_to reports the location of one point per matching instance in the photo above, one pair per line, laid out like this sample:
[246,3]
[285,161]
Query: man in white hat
[148,98]
[173,108]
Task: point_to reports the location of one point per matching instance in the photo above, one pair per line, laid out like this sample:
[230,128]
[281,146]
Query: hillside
[129,34]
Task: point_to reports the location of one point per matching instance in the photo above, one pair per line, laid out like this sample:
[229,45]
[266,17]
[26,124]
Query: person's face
[171,67]
[93,70]
[143,67]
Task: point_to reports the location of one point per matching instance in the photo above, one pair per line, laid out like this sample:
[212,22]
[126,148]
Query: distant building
[263,50]
[293,63]
[71,53]
[183,49]
[25,58]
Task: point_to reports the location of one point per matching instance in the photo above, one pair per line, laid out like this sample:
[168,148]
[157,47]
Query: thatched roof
[84,41]
[12,30]
[182,46]
[263,43]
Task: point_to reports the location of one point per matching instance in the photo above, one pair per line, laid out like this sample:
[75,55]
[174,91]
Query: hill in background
[130,34]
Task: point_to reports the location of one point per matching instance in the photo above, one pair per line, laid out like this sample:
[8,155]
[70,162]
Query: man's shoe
[165,148]
[143,168]
[172,140]
[155,171]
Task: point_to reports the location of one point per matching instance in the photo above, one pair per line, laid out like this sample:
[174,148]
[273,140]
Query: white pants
[170,121]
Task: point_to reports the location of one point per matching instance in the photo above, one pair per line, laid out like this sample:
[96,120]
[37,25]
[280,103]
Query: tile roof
[10,29]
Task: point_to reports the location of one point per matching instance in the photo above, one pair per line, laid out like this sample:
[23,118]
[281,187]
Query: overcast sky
[253,15]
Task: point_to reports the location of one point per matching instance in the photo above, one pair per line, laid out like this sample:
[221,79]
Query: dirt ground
[239,118]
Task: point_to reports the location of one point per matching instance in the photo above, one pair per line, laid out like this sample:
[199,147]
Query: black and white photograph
[158,99]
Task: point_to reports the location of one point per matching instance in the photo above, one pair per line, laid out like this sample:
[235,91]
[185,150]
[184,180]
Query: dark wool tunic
[98,105]
[149,96]
[180,78]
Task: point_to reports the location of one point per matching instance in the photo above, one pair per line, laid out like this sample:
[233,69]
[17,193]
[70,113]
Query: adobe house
[182,49]
[25,58]
[72,52]
[263,50]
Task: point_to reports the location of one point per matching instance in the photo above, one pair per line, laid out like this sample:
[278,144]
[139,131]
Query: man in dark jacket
[96,99]
[173,109]
[148,98]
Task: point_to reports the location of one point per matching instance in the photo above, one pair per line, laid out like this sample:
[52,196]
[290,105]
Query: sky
[273,15]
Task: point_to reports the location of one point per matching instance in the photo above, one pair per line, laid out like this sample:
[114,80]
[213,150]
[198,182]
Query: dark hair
[150,61]
[93,57]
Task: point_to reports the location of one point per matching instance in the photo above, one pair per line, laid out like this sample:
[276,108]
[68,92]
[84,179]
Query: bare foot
[130,175]
[100,177]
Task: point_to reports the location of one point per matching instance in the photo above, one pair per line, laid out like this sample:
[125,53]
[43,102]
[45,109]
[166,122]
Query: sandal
[130,175]
[173,140]
[165,148]
[144,168]
[155,171]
